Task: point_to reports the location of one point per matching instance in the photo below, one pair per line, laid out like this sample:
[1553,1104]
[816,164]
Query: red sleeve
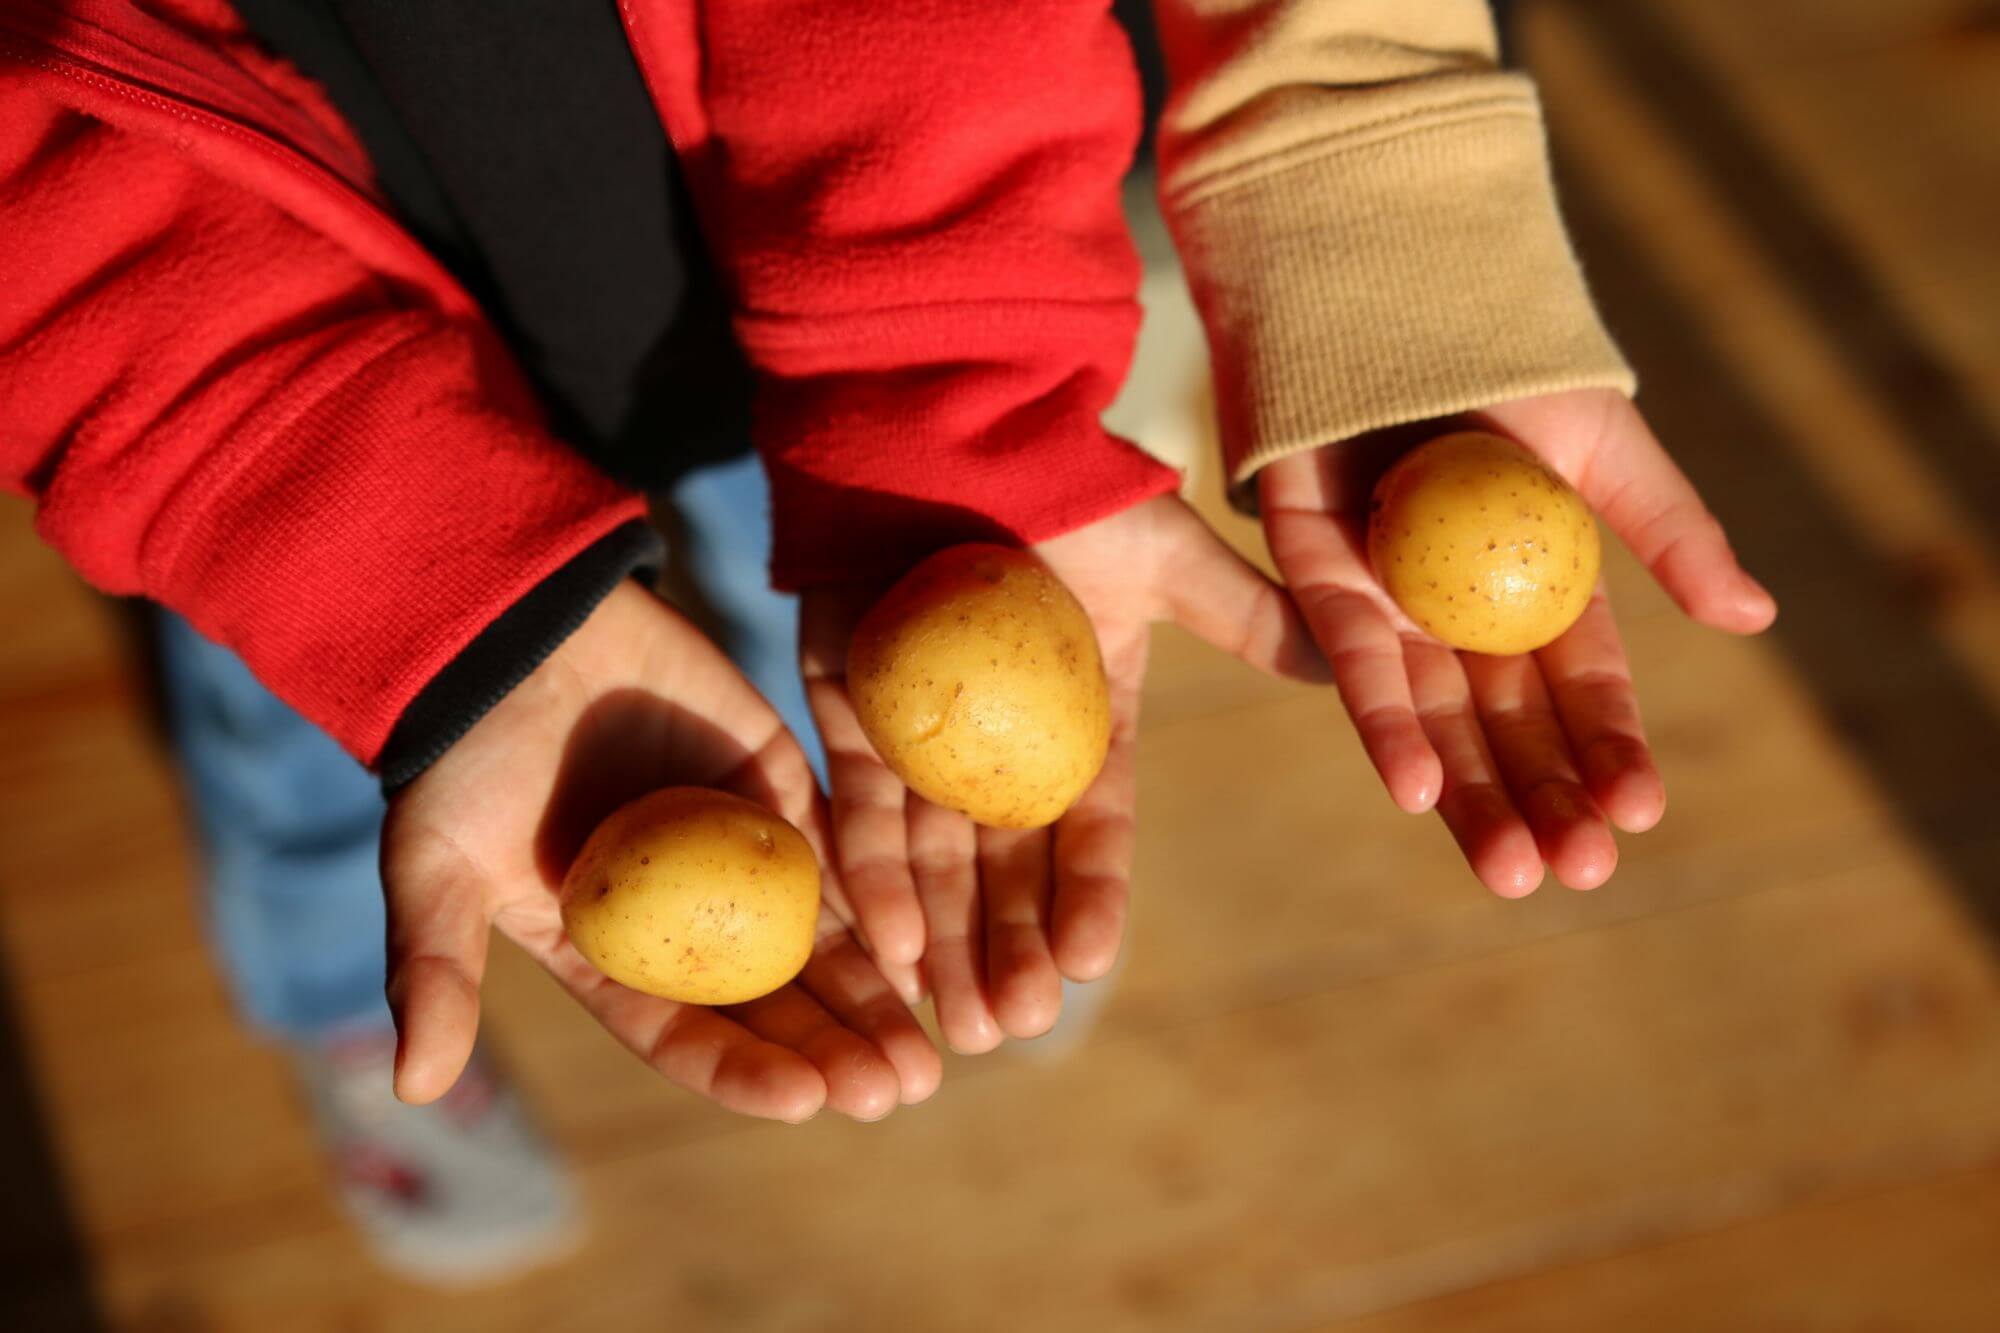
[217,408]
[916,208]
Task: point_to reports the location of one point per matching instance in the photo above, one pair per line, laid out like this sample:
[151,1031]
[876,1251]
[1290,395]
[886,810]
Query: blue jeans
[290,825]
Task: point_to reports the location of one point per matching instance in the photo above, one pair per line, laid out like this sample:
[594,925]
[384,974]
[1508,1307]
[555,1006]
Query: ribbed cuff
[510,648]
[1389,274]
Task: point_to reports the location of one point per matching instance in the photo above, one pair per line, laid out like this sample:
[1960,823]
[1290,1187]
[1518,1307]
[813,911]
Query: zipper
[361,204]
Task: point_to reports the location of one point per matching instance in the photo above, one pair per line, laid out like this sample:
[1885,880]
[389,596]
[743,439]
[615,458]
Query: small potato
[1482,545]
[978,681]
[694,895]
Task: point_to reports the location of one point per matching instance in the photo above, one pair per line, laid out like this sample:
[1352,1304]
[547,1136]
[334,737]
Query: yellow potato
[978,681]
[1482,545]
[694,895]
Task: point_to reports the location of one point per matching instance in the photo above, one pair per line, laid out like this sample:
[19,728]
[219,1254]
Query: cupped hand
[1530,760]
[636,699]
[992,920]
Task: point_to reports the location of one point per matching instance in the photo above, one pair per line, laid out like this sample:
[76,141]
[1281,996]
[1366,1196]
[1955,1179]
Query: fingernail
[1760,598]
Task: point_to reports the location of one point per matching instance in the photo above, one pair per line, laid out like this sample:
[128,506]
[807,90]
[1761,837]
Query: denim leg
[289,827]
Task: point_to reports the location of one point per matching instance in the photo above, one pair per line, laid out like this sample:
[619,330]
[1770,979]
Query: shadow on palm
[631,742]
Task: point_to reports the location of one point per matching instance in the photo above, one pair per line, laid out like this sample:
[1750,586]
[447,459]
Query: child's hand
[635,699]
[1529,759]
[998,917]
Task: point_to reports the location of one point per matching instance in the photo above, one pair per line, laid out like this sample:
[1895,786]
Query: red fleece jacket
[233,384]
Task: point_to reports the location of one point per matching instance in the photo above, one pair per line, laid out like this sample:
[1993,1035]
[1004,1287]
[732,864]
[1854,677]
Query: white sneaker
[459,1192]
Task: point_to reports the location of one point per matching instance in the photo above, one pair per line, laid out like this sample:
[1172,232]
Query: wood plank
[98,870]
[1347,1151]
[1888,143]
[54,634]
[1786,35]
[1913,1259]
[1912,192]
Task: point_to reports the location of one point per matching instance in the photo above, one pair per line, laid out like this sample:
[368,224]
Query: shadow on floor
[1854,627]
[44,1279]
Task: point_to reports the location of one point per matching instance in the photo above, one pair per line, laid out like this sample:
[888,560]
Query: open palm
[1530,760]
[635,699]
[1000,916]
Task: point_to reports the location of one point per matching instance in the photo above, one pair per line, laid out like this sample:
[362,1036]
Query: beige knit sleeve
[1361,197]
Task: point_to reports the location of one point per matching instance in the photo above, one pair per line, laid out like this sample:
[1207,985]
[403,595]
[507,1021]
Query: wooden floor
[1754,1083]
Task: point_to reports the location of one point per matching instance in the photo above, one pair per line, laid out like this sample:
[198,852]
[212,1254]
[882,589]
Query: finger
[943,853]
[1650,503]
[868,836]
[860,1080]
[1093,859]
[842,977]
[870,839]
[1528,744]
[701,1049]
[1368,667]
[437,938]
[1321,564]
[1591,685]
[870,847]
[1473,800]
[1223,598]
[1022,983]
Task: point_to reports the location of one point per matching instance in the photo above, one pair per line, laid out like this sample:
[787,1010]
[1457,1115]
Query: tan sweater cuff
[1395,271]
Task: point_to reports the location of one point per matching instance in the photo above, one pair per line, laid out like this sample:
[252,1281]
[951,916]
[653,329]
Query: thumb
[1216,594]
[437,955]
[1650,503]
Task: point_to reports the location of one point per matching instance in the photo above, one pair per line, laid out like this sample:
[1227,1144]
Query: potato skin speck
[1523,542]
[734,884]
[979,682]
